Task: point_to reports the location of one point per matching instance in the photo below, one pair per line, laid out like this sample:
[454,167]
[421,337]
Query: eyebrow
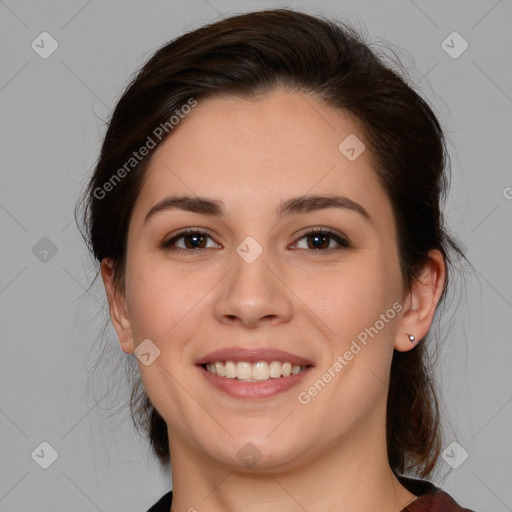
[301,204]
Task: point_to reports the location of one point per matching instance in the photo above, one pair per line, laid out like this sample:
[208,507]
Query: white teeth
[275,369]
[243,370]
[287,369]
[259,371]
[295,369]
[230,368]
[219,369]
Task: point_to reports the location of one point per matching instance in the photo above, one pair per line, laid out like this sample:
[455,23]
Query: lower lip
[253,390]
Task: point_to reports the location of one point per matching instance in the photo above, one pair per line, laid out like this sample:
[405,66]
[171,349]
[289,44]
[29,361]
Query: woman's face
[252,284]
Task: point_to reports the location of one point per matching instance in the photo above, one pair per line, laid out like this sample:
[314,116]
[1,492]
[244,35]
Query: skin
[329,454]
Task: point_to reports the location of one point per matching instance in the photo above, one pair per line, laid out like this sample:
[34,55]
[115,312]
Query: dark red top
[430,498]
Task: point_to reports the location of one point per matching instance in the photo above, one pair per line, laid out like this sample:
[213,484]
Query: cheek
[351,299]
[161,300]
[359,305]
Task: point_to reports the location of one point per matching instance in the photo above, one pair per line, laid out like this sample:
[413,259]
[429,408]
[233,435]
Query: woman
[266,215]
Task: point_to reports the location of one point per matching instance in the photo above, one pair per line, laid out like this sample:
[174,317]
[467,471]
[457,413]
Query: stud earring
[412,338]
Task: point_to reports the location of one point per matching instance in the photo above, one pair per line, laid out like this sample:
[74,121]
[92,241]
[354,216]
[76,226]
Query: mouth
[253,374]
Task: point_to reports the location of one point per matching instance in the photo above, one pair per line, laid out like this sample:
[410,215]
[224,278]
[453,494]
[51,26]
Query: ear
[117,305]
[421,302]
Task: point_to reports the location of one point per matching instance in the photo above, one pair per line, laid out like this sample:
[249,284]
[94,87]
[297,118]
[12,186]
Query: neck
[353,474]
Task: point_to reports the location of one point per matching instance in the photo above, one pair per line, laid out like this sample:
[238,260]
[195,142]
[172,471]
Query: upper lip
[252,355]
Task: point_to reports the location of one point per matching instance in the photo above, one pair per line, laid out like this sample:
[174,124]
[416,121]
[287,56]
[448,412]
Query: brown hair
[250,54]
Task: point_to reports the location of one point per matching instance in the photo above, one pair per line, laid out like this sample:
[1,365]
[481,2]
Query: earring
[412,338]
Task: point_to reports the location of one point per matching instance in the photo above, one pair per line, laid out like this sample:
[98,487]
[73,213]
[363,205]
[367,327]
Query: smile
[253,372]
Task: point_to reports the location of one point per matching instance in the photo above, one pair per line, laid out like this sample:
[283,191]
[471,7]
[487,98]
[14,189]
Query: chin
[257,452]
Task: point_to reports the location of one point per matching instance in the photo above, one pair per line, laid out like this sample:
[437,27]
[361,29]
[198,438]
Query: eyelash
[338,238]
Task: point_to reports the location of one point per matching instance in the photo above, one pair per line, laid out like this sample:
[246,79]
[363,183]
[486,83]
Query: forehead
[261,151]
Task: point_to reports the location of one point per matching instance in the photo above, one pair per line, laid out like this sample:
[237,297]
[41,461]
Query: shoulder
[430,497]
[163,504]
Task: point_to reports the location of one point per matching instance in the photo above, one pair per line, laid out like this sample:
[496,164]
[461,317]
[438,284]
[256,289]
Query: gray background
[52,120]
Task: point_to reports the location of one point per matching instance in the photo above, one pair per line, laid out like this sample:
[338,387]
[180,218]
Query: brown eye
[196,241]
[189,240]
[322,240]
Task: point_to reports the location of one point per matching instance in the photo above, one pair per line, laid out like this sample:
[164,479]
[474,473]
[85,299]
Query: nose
[254,294]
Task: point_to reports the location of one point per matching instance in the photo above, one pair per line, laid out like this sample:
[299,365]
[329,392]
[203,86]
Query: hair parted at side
[251,54]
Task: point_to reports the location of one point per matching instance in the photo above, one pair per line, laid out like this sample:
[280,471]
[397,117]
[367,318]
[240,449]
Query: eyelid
[338,237]
[166,244]
[318,229]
